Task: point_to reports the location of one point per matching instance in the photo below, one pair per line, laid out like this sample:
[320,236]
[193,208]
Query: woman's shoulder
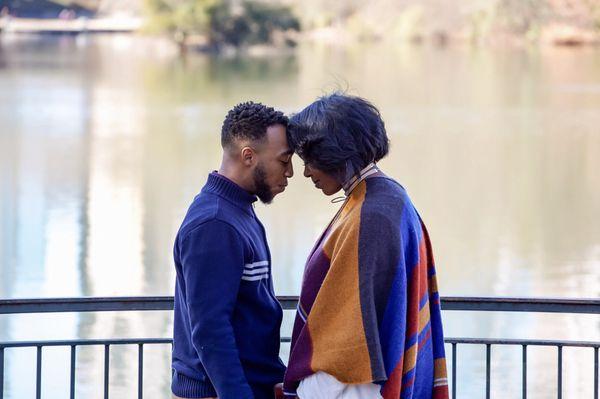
[385,185]
[386,203]
[383,192]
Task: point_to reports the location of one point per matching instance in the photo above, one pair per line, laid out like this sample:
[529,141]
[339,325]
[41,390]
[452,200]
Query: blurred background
[110,113]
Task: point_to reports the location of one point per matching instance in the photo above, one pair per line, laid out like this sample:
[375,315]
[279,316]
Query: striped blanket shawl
[369,310]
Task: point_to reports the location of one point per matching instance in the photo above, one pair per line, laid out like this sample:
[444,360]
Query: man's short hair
[339,134]
[249,121]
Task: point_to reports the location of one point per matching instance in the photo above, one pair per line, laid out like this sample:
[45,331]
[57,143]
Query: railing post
[140,371]
[72,382]
[488,360]
[38,374]
[2,372]
[454,370]
[106,369]
[596,373]
[559,371]
[524,372]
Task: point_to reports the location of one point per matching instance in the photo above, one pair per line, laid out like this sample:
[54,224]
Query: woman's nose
[307,171]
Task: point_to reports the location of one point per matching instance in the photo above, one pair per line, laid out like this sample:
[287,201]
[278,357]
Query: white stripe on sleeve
[256,264]
[255,278]
[255,271]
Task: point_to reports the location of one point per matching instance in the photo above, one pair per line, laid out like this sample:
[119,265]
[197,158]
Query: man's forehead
[277,138]
[276,131]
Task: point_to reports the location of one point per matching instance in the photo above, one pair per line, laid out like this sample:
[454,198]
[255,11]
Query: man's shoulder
[209,211]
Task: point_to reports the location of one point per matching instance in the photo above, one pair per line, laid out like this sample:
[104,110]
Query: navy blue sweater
[226,316]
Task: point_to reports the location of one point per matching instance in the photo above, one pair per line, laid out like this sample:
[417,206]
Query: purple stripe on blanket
[313,275]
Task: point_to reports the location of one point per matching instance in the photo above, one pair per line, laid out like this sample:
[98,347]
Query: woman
[368,322]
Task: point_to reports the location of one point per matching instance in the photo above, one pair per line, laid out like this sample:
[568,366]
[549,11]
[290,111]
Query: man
[226,315]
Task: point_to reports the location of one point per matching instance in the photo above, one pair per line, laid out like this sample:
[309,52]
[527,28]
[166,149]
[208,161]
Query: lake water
[105,141]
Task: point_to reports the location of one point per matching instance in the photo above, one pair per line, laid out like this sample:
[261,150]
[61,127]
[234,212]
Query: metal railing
[102,304]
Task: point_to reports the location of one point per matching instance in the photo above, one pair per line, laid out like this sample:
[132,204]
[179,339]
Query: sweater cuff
[186,387]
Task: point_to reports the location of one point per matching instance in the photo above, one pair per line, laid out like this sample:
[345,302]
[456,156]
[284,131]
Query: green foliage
[521,16]
[481,23]
[409,24]
[223,22]
[317,14]
[595,13]
[179,18]
[251,22]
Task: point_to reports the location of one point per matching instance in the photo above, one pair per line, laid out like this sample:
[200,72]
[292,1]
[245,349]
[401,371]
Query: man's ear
[248,156]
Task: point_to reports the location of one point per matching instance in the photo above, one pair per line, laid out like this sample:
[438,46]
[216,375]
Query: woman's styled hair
[339,134]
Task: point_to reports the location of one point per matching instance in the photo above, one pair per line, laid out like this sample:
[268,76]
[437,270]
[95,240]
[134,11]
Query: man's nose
[289,172]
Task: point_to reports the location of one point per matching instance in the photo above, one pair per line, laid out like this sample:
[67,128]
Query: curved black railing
[102,304]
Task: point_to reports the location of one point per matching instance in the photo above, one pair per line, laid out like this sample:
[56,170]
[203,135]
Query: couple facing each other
[368,322]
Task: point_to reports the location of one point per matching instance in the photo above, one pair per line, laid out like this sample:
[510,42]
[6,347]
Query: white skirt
[324,386]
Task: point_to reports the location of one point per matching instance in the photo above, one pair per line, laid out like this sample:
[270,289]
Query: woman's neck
[369,170]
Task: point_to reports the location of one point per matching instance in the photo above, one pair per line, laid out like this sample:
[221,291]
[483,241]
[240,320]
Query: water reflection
[103,145]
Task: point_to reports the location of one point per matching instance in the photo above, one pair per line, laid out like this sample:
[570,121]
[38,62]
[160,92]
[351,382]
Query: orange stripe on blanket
[339,343]
[410,355]
[433,287]
[410,358]
[440,369]
[424,316]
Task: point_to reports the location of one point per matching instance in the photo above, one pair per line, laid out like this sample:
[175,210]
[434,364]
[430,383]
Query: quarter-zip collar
[227,189]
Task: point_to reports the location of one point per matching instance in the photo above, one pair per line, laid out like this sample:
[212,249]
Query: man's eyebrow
[289,151]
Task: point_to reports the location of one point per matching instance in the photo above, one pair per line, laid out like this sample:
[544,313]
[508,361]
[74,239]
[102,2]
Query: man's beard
[261,188]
